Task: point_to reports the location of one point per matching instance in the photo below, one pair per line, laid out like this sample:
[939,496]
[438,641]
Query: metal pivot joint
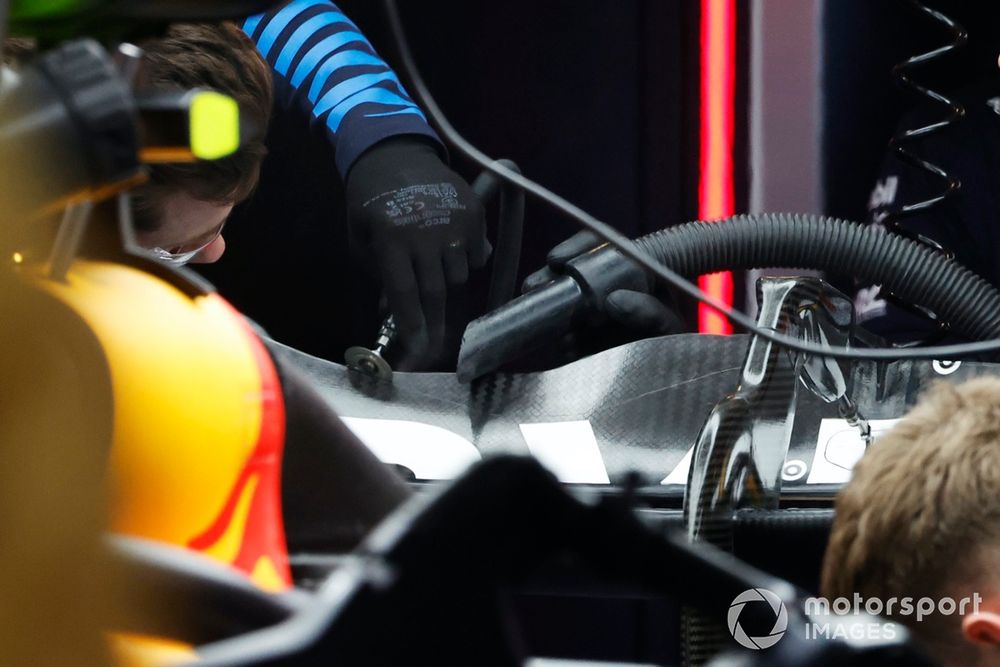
[372,362]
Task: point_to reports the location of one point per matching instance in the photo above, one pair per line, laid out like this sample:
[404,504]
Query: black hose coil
[914,271]
[917,273]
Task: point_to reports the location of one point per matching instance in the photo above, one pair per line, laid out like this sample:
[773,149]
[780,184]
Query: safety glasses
[181,255]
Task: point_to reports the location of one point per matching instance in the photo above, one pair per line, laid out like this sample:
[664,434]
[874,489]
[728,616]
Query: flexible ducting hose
[913,271]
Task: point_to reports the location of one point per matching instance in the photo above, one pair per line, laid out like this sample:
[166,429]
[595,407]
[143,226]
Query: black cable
[625,246]
[510,232]
[510,229]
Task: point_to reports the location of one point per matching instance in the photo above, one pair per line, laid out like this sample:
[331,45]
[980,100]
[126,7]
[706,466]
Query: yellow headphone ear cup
[214,125]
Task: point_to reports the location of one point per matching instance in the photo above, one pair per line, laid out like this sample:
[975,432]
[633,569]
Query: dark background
[862,103]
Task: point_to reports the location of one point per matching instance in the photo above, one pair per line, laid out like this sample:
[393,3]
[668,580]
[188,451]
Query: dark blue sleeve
[325,66]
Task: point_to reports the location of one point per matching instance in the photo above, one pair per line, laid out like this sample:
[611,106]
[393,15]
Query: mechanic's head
[921,518]
[182,209]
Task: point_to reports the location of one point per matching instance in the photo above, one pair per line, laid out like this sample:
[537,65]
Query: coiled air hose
[901,144]
[913,271]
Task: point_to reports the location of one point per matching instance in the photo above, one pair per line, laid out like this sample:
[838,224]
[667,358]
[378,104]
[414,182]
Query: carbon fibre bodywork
[645,403]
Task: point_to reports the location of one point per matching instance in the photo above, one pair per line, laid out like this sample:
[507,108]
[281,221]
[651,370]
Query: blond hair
[921,515]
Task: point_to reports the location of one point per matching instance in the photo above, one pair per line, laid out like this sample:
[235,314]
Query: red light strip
[715,188]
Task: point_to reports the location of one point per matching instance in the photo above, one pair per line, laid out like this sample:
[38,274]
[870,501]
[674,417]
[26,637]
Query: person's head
[921,518]
[183,206]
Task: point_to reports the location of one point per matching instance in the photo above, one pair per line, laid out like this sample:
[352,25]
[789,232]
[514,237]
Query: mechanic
[341,115]
[964,224]
[355,200]
[181,211]
[920,518]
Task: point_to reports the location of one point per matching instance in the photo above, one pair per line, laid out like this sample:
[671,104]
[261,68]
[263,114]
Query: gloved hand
[425,226]
[642,315]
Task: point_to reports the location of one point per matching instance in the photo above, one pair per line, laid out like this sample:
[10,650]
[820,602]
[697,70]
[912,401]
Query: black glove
[643,315]
[426,227]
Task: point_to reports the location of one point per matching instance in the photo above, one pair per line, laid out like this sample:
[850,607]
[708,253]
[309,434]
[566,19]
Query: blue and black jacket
[324,65]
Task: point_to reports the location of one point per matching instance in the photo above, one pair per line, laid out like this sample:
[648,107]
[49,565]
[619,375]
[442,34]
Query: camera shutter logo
[780,618]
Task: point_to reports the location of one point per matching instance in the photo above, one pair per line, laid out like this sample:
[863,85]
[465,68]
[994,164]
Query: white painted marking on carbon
[679,475]
[794,470]
[431,452]
[568,449]
[840,446]
[945,367]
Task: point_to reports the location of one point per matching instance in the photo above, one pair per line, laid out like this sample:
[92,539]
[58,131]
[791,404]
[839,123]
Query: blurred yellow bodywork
[139,651]
[197,424]
[198,418]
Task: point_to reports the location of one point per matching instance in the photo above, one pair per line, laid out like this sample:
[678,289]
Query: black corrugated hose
[913,271]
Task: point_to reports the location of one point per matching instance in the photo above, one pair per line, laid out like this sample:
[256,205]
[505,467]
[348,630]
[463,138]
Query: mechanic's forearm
[325,66]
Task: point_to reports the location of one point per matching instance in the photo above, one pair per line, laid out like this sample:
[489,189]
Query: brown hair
[921,514]
[220,57]
[16,50]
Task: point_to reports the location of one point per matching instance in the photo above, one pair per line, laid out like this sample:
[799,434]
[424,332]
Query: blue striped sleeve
[335,76]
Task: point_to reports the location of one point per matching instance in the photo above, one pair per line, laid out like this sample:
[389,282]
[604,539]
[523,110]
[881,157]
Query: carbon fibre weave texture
[645,401]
